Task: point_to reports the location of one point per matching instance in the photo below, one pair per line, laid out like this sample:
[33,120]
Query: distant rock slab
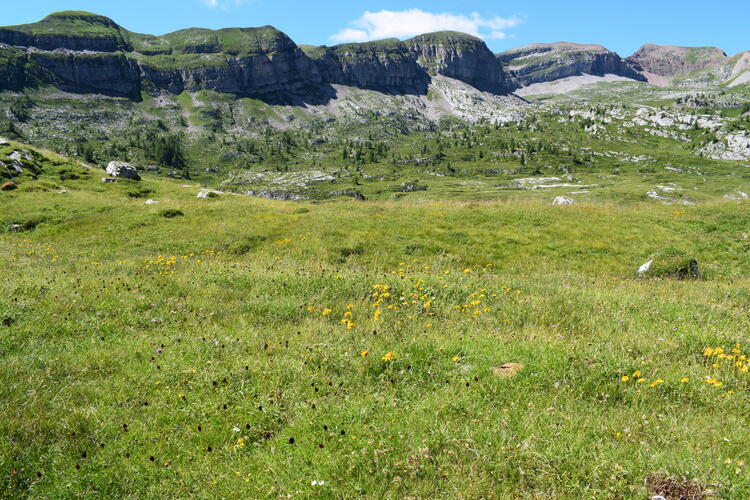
[563,200]
[120,169]
[3,141]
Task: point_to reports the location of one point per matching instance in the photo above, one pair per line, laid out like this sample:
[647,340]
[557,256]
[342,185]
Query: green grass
[205,341]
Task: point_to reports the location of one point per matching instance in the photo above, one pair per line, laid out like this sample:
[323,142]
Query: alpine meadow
[238,267]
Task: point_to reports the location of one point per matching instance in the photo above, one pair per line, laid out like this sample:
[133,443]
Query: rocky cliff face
[83,52]
[660,64]
[260,62]
[385,65]
[459,56]
[106,73]
[539,63]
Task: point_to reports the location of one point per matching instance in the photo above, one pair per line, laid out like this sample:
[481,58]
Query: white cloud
[225,4]
[412,22]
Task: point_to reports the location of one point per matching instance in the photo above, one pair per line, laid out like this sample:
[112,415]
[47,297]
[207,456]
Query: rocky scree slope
[83,52]
[538,63]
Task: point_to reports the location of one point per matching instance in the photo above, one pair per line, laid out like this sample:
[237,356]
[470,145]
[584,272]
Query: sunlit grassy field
[260,349]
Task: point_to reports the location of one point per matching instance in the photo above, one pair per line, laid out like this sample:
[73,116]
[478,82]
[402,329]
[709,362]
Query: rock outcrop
[460,56]
[540,63]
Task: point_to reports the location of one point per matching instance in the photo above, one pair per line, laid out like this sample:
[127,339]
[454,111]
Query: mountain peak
[81,15]
[660,62]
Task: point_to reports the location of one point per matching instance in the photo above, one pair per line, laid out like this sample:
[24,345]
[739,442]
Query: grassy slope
[246,343]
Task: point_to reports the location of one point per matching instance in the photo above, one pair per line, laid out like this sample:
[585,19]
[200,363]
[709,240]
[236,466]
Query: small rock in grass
[205,194]
[672,263]
[3,141]
[151,202]
[9,186]
[507,370]
[645,267]
[740,195]
[62,191]
[563,200]
[108,179]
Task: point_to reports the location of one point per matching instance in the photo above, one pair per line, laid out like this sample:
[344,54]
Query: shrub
[170,213]
[139,192]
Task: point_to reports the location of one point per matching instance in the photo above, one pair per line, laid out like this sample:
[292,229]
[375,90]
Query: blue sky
[621,26]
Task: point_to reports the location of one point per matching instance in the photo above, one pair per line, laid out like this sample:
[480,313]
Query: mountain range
[82,52]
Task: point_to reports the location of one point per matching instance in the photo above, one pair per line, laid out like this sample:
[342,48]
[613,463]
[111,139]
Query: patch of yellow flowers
[734,357]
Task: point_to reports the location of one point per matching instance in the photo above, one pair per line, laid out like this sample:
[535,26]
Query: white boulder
[122,170]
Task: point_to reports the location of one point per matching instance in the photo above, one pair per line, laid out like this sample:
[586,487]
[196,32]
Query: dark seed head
[291,440]
[151,458]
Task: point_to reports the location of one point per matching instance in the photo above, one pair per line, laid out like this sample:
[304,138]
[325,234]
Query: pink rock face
[667,61]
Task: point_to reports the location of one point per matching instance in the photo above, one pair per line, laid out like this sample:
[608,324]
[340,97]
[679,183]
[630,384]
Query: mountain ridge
[83,52]
[264,62]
